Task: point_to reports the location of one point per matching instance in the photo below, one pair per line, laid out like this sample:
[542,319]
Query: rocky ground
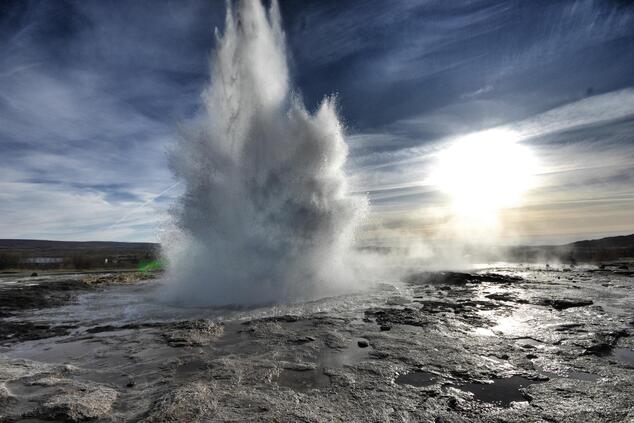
[499,345]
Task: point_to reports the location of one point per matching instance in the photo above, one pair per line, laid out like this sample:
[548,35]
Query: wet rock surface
[38,295]
[31,294]
[502,345]
[564,303]
[188,403]
[78,404]
[26,331]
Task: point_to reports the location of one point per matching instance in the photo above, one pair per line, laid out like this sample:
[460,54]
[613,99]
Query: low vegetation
[59,255]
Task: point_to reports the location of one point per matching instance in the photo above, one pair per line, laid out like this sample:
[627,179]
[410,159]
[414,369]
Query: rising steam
[266,215]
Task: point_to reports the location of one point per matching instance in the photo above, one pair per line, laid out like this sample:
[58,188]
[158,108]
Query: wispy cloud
[91,94]
[88,107]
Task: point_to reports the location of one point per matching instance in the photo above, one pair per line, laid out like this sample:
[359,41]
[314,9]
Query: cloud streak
[92,94]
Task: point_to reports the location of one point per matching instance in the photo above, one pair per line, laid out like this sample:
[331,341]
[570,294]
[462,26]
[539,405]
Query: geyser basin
[294,362]
[266,215]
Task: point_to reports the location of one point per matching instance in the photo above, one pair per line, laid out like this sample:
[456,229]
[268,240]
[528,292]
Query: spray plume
[266,215]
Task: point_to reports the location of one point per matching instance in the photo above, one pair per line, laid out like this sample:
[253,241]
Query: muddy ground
[505,344]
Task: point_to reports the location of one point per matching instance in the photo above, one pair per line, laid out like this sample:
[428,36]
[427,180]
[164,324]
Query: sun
[485,172]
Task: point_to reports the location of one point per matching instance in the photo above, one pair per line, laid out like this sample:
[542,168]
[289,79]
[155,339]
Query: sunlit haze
[483,173]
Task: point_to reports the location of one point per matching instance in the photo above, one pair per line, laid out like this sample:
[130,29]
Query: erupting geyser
[266,215]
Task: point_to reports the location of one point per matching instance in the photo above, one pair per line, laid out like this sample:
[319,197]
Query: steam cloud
[266,215]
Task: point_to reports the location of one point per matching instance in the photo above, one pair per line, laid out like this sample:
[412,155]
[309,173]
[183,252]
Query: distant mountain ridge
[87,254]
[46,245]
[594,250]
[622,241]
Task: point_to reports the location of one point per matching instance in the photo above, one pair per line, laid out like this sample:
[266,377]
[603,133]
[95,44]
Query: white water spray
[266,215]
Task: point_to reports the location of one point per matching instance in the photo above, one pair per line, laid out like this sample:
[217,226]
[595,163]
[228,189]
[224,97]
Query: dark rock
[112,328]
[564,327]
[34,274]
[362,343]
[287,318]
[398,316]
[563,303]
[385,327]
[431,306]
[300,341]
[29,331]
[502,296]
[104,328]
[604,343]
[457,278]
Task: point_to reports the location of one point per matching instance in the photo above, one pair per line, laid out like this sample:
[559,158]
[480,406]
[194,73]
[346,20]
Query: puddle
[572,374]
[501,392]
[624,355]
[417,378]
[588,377]
[303,380]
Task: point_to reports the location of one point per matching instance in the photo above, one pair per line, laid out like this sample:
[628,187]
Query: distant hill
[587,251]
[614,242]
[36,245]
[41,254]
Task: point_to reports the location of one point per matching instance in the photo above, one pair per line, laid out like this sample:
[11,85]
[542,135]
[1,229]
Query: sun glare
[485,172]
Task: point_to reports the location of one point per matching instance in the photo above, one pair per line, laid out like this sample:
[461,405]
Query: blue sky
[92,94]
